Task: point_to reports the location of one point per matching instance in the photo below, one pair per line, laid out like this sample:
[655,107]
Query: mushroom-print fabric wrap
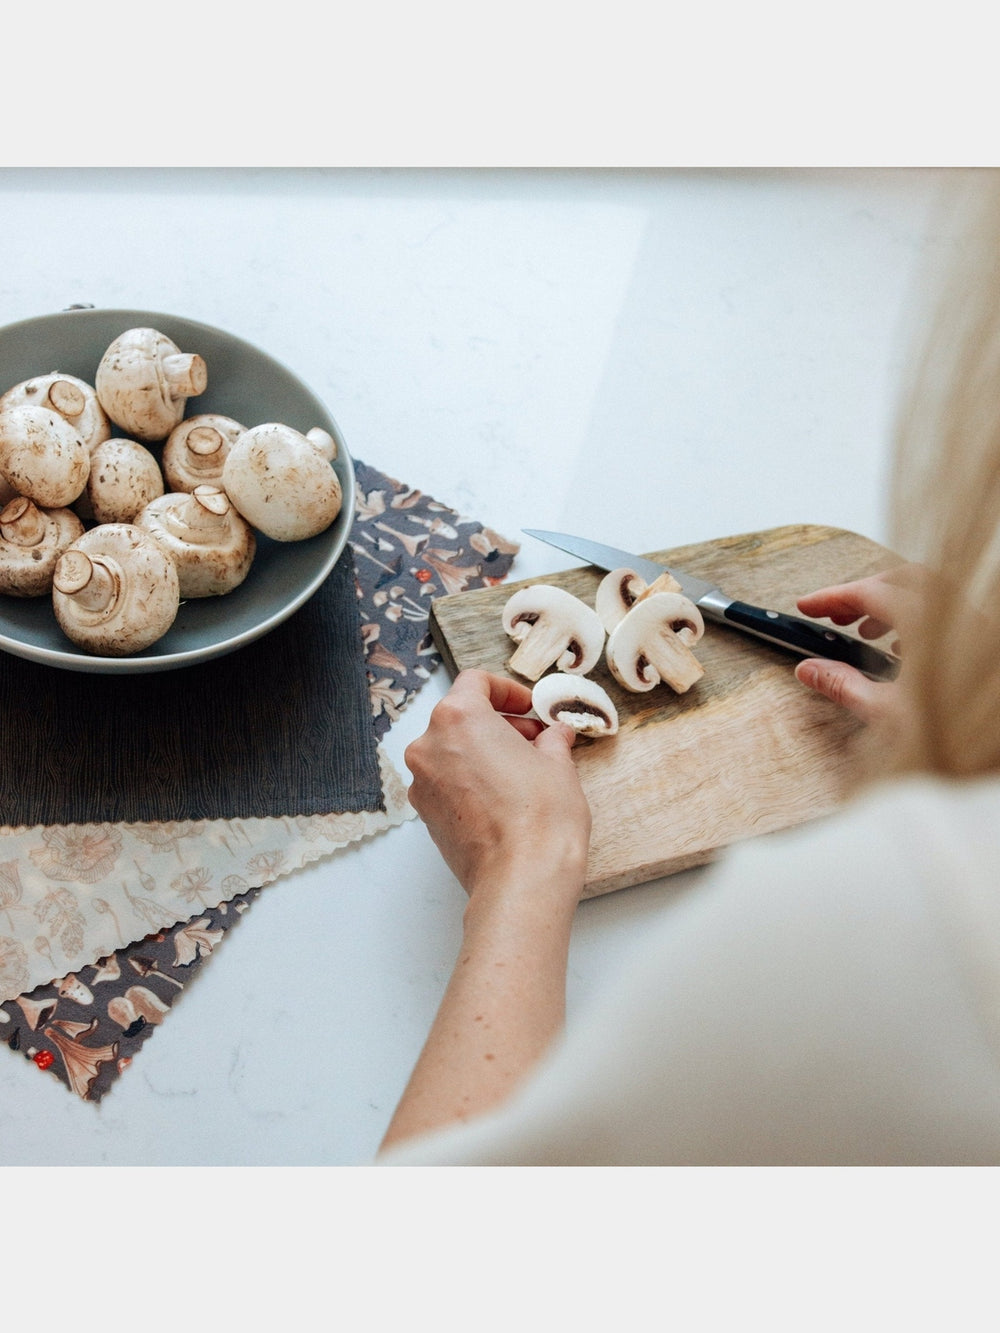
[91,962]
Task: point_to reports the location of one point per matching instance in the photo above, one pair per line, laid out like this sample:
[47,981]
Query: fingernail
[808,673]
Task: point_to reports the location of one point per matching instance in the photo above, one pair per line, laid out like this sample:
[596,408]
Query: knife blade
[808,638]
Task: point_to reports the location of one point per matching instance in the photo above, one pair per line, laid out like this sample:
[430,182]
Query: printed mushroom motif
[212,545]
[196,450]
[72,398]
[652,643]
[144,380]
[282,481]
[31,541]
[124,477]
[115,590]
[42,456]
[620,589]
[551,628]
[576,700]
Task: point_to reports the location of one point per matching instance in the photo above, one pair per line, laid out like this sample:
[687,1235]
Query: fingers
[868,700]
[557,739]
[871,600]
[501,692]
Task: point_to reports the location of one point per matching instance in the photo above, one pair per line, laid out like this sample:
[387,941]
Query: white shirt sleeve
[825,996]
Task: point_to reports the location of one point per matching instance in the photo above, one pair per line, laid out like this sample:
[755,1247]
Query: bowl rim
[340,529]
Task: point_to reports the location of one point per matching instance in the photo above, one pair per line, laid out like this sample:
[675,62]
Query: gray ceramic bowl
[243,383]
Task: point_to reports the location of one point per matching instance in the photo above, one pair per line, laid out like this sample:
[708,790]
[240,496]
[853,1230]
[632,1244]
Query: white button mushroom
[651,643]
[620,589]
[115,590]
[576,700]
[72,398]
[196,450]
[144,380]
[552,628]
[212,545]
[282,482]
[31,541]
[124,477]
[42,455]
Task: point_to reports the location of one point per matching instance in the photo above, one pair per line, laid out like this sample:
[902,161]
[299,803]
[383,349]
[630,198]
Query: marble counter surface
[653,358]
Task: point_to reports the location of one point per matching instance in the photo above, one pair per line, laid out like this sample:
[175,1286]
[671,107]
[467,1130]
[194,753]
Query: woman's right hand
[877,605]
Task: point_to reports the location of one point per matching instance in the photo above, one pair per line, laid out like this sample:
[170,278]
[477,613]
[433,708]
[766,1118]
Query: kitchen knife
[808,638]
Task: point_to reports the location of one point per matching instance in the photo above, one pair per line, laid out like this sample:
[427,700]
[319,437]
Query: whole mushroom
[551,628]
[197,448]
[576,700]
[42,456]
[653,643]
[72,398]
[144,380]
[31,541]
[115,590]
[212,545]
[282,481]
[124,477]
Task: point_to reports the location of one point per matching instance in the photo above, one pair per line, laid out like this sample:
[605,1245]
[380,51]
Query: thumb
[556,740]
[846,686]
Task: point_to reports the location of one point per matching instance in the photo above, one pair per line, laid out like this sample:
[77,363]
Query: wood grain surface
[746,751]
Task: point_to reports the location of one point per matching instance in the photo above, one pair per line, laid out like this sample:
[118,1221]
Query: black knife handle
[812,640]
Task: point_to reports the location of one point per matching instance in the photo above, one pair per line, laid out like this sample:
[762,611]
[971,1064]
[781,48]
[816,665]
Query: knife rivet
[829,634]
[771,615]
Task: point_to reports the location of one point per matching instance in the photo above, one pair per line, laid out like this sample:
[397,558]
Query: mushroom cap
[551,628]
[72,398]
[282,483]
[144,380]
[620,589]
[212,545]
[31,541]
[124,477]
[42,455]
[115,590]
[576,700]
[651,644]
[196,449]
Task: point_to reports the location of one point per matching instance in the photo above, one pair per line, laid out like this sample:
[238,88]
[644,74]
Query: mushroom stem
[93,584]
[21,523]
[538,649]
[67,398]
[203,442]
[186,374]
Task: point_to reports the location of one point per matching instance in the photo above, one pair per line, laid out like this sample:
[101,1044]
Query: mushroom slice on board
[620,589]
[42,455]
[282,481]
[144,380]
[576,700]
[552,628]
[31,541]
[652,643]
[115,590]
[72,398]
[197,448]
[212,545]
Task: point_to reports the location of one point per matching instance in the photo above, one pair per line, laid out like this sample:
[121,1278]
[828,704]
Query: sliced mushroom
[196,450]
[72,398]
[212,545]
[651,643]
[576,700]
[144,380]
[281,481]
[619,591]
[31,541]
[115,590]
[42,456]
[124,477]
[552,628]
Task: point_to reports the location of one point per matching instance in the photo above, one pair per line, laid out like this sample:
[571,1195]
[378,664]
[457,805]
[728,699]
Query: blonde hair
[945,504]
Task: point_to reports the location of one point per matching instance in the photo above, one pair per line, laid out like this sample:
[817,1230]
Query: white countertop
[650,358]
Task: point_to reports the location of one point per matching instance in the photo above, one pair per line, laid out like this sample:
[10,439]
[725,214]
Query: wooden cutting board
[748,750]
